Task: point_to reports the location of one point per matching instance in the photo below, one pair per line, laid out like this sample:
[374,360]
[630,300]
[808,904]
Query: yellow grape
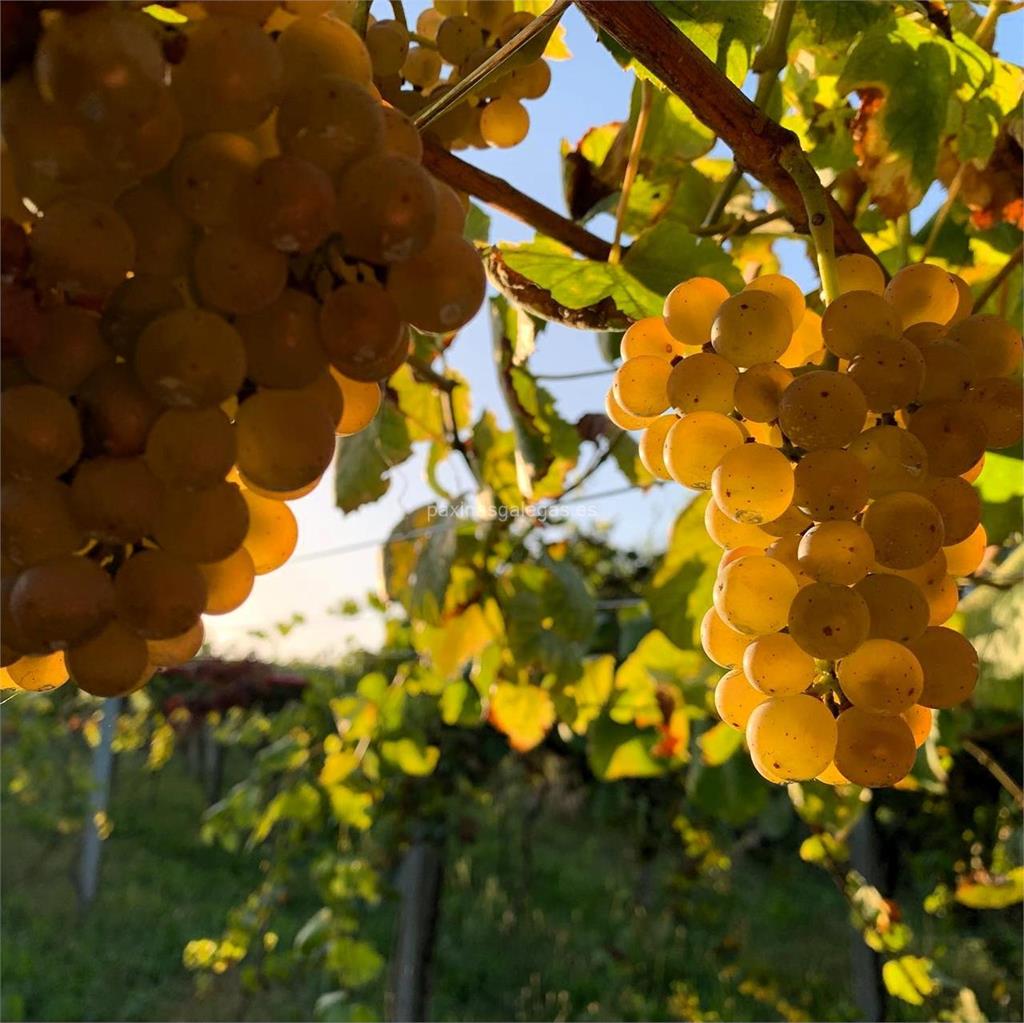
[895,459]
[272,534]
[702,382]
[948,372]
[362,332]
[38,522]
[832,776]
[273,495]
[163,237]
[69,351]
[999,404]
[313,47]
[360,402]
[730,534]
[943,599]
[722,643]
[993,344]
[112,663]
[695,445]
[529,82]
[920,719]
[734,554]
[207,174]
[457,38]
[736,698]
[238,274]
[855,318]
[650,336]
[490,14]
[640,385]
[253,10]
[950,666]
[959,505]
[168,653]
[785,290]
[964,558]
[422,67]
[753,483]
[759,389]
[39,674]
[830,484]
[889,372]
[116,499]
[504,122]
[786,550]
[873,750]
[752,327]
[897,607]
[282,342]
[39,436]
[776,666]
[881,676]
[690,309]
[925,334]
[860,273]
[792,737]
[651,447]
[116,412]
[905,528]
[828,621]
[228,582]
[388,43]
[792,520]
[202,525]
[158,595]
[836,552]
[965,306]
[822,409]
[806,342]
[625,420]
[132,307]
[451,207]
[975,470]
[922,293]
[754,594]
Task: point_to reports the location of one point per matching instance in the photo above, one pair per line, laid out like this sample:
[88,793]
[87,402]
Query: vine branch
[632,166]
[993,285]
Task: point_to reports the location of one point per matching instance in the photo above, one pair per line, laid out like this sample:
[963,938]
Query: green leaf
[733,793]
[909,978]
[656,660]
[409,756]
[719,743]
[674,137]
[364,459]
[626,453]
[1001,485]
[478,225]
[354,962]
[994,894]
[349,807]
[823,848]
[300,805]
[421,404]
[453,645]
[621,751]
[523,712]
[495,451]
[580,702]
[417,560]
[728,34]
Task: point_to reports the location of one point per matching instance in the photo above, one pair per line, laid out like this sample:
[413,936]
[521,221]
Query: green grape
[442,288]
[920,719]
[112,663]
[754,594]
[313,47]
[702,382]
[640,385]
[959,505]
[651,447]
[231,76]
[964,558]
[776,666]
[831,484]
[822,409]
[39,433]
[828,621]
[175,650]
[691,307]
[752,327]
[132,307]
[388,43]
[948,372]
[38,523]
[905,528]
[191,449]
[722,643]
[228,582]
[855,318]
[163,237]
[115,499]
[362,332]
[753,483]
[39,674]
[730,534]
[998,403]
[402,139]
[949,664]
[360,402]
[282,342]
[792,738]
[191,358]
[923,293]
[649,336]
[860,273]
[759,390]
[836,552]
[284,440]
[237,274]
[895,459]
[889,372]
[207,174]
[881,677]
[504,122]
[202,525]
[695,445]
[116,412]
[897,608]
[953,434]
[272,535]
[993,344]
[82,246]
[422,67]
[873,750]
[785,290]
[61,602]
[70,349]
[157,595]
[736,698]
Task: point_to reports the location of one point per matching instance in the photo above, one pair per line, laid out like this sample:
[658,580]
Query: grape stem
[398,9]
[633,165]
[361,17]
[1000,278]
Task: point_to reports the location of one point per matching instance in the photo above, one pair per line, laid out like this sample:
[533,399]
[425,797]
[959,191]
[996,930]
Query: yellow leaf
[523,713]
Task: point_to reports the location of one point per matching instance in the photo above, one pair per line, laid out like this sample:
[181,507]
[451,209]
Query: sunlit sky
[590,89]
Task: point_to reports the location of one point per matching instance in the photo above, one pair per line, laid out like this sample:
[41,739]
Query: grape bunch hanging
[216,237]
[840,453]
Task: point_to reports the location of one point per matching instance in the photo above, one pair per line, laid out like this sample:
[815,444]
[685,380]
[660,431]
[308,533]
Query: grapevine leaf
[409,756]
[363,460]
[909,978]
[733,793]
[495,452]
[719,743]
[621,751]
[523,712]
[992,894]
[463,637]
[674,137]
[668,253]
[580,702]
[478,225]
[420,403]
[1001,485]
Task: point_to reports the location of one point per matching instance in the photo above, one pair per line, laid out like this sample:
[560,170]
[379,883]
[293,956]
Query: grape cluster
[215,240]
[460,35]
[839,452]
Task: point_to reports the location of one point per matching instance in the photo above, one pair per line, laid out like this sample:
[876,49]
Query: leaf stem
[985,33]
[632,166]
[993,285]
[943,213]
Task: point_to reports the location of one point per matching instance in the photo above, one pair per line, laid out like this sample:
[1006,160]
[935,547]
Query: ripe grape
[695,445]
[999,405]
[905,528]
[920,719]
[822,409]
[895,459]
[993,344]
[889,372]
[504,122]
[791,521]
[202,525]
[730,534]
[237,274]
[836,552]
[158,595]
[626,420]
[112,663]
[69,351]
[228,582]
[191,449]
[691,307]
[832,776]
[785,290]
[855,318]
[881,676]
[948,372]
[786,550]
[949,664]
[272,533]
[163,237]
[115,499]
[39,433]
[422,67]
[753,483]
[388,43]
[965,557]
[922,293]
[872,749]
[640,385]
[806,344]
[313,47]
[457,38]
[168,653]
[282,342]
[651,447]
[776,666]
[207,174]
[116,412]
[752,327]
[362,332]
[38,523]
[958,504]
[860,273]
[759,389]
[721,642]
[925,334]
[529,82]
[898,609]
[451,208]
[132,307]
[360,401]
[754,594]
[828,621]
[736,698]
[953,434]
[943,599]
[792,737]
[39,674]
[830,484]
[702,381]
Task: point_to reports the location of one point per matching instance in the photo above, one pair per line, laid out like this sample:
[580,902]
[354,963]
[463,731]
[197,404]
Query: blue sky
[588,90]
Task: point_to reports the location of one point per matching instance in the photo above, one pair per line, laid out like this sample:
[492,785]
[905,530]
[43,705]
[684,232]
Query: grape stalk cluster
[840,453]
